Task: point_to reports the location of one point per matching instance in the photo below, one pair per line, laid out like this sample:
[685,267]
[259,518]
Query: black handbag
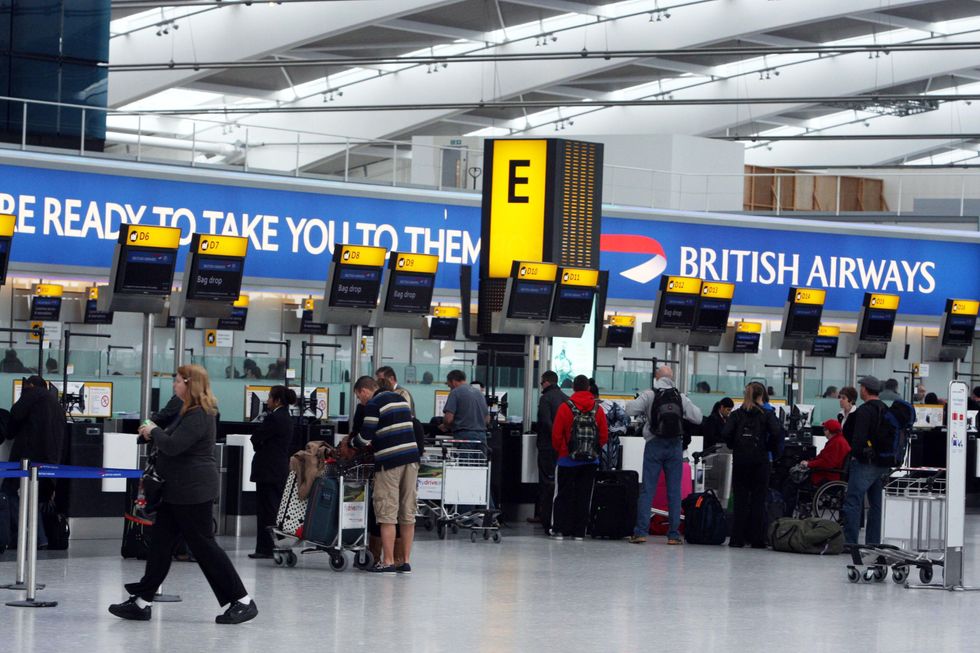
[151,484]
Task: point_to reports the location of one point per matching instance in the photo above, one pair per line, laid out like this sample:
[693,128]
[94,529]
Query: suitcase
[613,511]
[320,524]
[292,509]
[687,486]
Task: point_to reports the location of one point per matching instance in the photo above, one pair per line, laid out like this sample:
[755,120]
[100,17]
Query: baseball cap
[832,425]
[870,383]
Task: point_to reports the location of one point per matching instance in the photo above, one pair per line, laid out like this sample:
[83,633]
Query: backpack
[750,441]
[813,535]
[584,441]
[705,521]
[891,435]
[667,413]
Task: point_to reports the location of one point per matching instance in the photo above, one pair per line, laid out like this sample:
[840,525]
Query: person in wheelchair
[809,476]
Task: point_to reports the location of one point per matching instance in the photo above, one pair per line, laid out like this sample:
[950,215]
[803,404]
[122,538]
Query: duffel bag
[813,535]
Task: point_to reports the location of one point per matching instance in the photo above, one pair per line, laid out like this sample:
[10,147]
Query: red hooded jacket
[832,456]
[562,430]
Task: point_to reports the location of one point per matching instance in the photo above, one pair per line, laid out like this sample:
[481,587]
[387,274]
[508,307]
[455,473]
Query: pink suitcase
[687,486]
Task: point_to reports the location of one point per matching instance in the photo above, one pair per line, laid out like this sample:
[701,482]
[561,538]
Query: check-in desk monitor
[674,311]
[711,319]
[7,224]
[212,277]
[353,285]
[46,302]
[573,302]
[745,337]
[92,313]
[142,269]
[527,299]
[618,331]
[407,290]
[825,342]
[443,325]
[956,331]
[238,317]
[876,324]
[801,318]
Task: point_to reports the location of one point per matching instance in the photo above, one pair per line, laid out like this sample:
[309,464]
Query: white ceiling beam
[898,21]
[470,119]
[775,41]
[445,31]
[677,66]
[572,92]
[565,6]
[233,91]
[506,79]
[782,121]
[250,32]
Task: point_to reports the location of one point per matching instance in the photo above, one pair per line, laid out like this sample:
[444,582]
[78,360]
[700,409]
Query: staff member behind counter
[270,465]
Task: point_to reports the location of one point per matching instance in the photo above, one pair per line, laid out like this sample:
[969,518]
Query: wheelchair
[825,501]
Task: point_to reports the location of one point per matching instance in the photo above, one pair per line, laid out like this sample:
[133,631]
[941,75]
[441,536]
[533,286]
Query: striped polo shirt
[388,427]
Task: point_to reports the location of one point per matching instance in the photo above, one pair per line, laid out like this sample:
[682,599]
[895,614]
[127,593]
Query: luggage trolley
[913,514]
[335,519]
[457,474]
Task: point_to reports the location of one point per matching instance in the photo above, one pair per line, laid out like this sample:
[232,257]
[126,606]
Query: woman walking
[185,460]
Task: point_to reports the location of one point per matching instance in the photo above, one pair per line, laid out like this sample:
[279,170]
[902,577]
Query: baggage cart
[913,528]
[455,476]
[335,520]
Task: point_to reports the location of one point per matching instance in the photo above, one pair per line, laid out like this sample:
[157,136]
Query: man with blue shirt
[465,414]
[579,433]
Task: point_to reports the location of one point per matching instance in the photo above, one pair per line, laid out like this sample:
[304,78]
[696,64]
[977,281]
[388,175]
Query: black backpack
[667,413]
[890,439]
[584,441]
[704,519]
[750,439]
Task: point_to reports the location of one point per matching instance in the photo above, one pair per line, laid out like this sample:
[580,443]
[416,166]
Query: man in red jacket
[832,456]
[579,432]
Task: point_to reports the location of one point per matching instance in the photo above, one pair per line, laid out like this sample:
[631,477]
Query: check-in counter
[239,491]
[94,507]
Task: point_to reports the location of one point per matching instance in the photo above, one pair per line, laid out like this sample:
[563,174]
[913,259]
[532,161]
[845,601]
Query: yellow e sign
[517,203]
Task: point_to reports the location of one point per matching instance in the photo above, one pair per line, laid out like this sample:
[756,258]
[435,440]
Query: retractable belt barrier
[27,523]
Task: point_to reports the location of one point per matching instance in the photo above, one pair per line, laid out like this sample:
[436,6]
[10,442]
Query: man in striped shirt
[388,429]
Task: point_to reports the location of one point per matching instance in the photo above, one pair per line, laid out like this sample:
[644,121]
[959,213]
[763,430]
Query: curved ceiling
[834,82]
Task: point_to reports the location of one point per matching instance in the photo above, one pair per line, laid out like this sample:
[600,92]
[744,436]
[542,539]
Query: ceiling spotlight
[553,38]
[176,26]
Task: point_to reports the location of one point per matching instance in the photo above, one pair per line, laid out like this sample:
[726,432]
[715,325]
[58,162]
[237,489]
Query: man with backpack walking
[666,409]
[863,429]
[579,433]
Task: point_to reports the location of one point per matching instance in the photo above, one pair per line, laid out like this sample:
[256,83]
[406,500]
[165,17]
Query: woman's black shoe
[129,610]
[259,556]
[238,613]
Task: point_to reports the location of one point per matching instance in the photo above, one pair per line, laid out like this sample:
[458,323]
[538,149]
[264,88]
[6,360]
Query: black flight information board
[93,315]
[678,302]
[714,306]
[356,280]
[308,326]
[961,322]
[411,279]
[878,317]
[146,271]
[217,265]
[747,337]
[532,285]
[46,308]
[574,295]
[824,346]
[235,321]
[805,311]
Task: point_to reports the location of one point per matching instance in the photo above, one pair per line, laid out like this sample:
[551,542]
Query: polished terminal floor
[525,594]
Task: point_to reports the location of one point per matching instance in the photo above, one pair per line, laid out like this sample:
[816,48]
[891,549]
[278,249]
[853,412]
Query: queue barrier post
[20,581]
[32,497]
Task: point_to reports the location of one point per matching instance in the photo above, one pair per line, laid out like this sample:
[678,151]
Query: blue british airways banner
[73,218]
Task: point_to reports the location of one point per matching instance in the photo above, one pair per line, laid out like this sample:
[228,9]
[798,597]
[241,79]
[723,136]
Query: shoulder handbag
[151,484]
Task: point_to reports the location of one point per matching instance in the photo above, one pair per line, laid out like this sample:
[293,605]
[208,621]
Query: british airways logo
[645,272]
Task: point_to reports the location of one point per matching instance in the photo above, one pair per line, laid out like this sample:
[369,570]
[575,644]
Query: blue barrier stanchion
[30,601]
[20,581]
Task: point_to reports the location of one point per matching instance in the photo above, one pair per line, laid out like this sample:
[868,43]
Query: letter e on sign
[517,203]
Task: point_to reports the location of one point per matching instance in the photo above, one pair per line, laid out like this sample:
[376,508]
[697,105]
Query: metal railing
[230,145]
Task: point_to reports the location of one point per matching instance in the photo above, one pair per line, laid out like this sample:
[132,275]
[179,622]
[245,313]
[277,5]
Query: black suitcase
[614,499]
